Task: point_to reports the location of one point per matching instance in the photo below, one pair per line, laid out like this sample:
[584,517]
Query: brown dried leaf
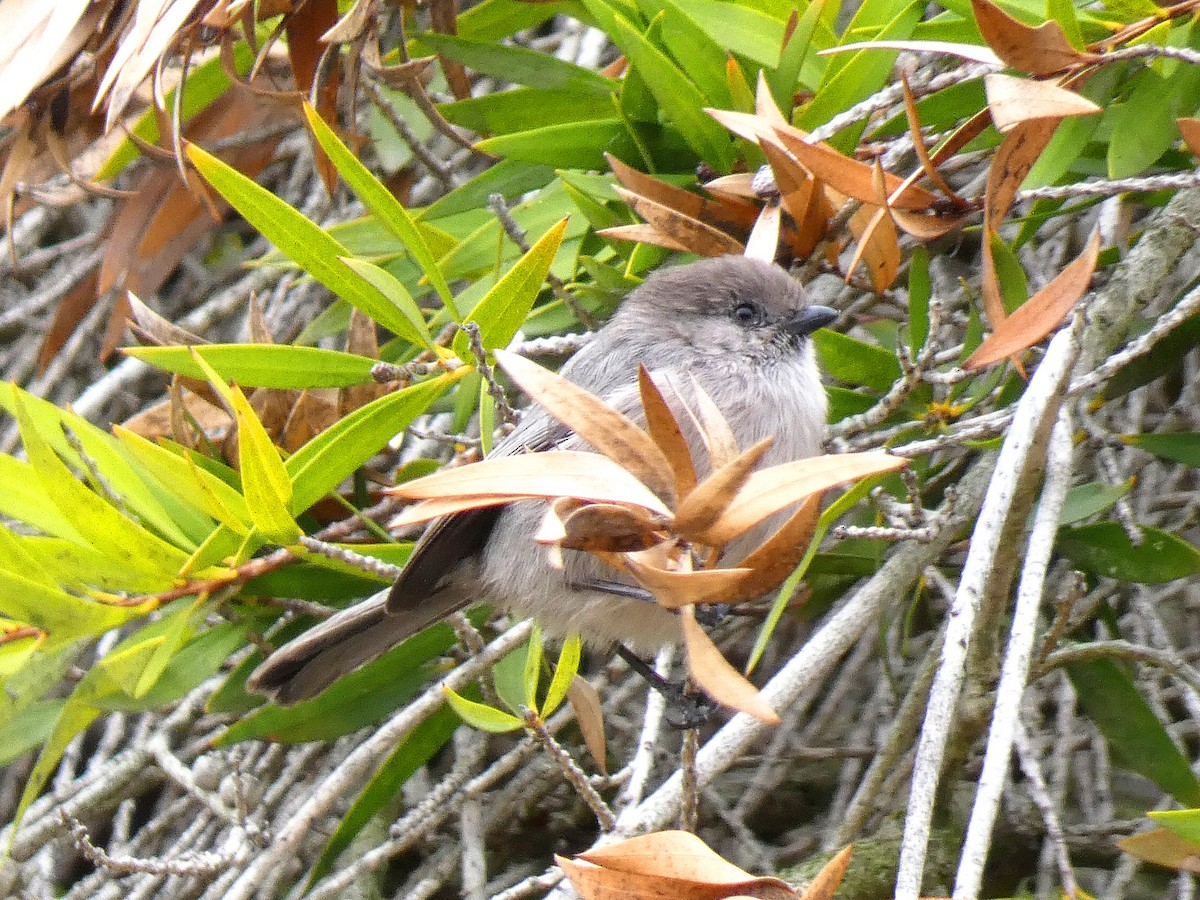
[696,236]
[156,330]
[1039,51]
[664,430]
[732,214]
[774,560]
[610,528]
[878,240]
[926,227]
[1015,100]
[714,429]
[711,497]
[607,430]
[914,130]
[851,177]
[443,18]
[38,38]
[428,510]
[16,164]
[589,715]
[770,490]
[671,854]
[69,313]
[1041,313]
[1163,848]
[643,234]
[1190,129]
[739,184]
[1014,158]
[827,881]
[972,52]
[763,242]
[749,126]
[314,410]
[764,101]
[801,196]
[717,678]
[559,473]
[677,589]
[174,418]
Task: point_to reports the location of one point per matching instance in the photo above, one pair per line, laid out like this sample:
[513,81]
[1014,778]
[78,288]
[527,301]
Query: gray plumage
[739,327]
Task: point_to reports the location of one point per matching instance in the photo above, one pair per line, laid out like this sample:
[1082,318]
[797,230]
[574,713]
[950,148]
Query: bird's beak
[810,320]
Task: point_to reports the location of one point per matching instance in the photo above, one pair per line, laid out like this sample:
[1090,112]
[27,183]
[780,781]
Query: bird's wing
[451,539]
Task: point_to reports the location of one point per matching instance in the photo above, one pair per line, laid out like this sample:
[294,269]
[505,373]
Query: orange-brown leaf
[693,234]
[1163,848]
[1039,51]
[878,240]
[714,429]
[1041,313]
[642,233]
[606,429]
[664,430]
[763,242]
[1190,129]
[851,177]
[914,131]
[827,881]
[427,510]
[676,589]
[717,678]
[589,715]
[769,490]
[610,528]
[711,497]
[672,854]
[775,559]
[559,473]
[728,213]
[802,199]
[1015,100]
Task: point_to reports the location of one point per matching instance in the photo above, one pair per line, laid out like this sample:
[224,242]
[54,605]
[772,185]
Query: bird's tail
[353,637]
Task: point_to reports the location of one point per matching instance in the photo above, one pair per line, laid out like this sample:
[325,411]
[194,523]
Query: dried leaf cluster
[638,504]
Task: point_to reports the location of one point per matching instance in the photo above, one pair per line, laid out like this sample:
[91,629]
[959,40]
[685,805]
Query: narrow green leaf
[799,48]
[678,98]
[533,667]
[1183,822]
[28,728]
[270,365]
[380,201]
[97,520]
[1091,499]
[404,318]
[1180,446]
[303,241]
[482,716]
[520,65]
[1133,731]
[503,309]
[17,556]
[1104,549]
[564,671]
[508,675]
[320,465]
[572,145]
[700,57]
[384,788]
[740,29]
[63,616]
[524,108]
[73,719]
[265,482]
[920,289]
[23,499]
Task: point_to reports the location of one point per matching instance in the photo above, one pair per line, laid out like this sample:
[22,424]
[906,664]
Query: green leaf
[678,98]
[73,719]
[265,482]
[404,318]
[321,464]
[523,109]
[740,29]
[572,145]
[508,178]
[1183,822]
[303,241]
[495,19]
[1104,549]
[268,365]
[1133,731]
[855,362]
[509,677]
[920,289]
[503,309]
[1165,358]
[23,499]
[520,65]
[564,671]
[94,518]
[482,716]
[1091,499]
[189,666]
[28,728]
[786,77]
[380,201]
[698,55]
[1180,446]
[1143,126]
[413,752]
[533,667]
[1014,287]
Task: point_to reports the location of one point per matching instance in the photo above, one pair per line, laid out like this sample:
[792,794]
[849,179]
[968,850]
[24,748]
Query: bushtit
[739,327]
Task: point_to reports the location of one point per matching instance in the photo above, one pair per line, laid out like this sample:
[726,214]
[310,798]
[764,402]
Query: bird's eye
[747,314]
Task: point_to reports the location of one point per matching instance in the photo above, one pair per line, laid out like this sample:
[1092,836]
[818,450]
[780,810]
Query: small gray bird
[739,327]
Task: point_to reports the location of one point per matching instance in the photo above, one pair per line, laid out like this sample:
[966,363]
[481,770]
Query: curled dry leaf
[770,490]
[610,528]
[878,240]
[713,495]
[851,177]
[673,854]
[714,430]
[610,432]
[644,234]
[427,510]
[733,214]
[698,237]
[1015,100]
[713,673]
[678,589]
[802,197]
[1190,129]
[1043,50]
[1041,313]
[763,242]
[918,139]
